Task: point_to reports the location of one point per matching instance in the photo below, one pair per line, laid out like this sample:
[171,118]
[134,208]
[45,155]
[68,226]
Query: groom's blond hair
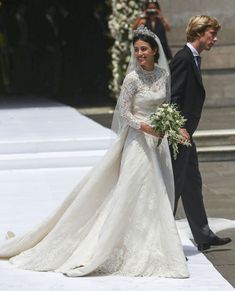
[199,24]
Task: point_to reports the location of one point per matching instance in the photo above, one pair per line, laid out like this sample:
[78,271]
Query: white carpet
[44,152]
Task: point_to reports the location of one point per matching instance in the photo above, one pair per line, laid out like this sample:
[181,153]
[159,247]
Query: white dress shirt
[194,52]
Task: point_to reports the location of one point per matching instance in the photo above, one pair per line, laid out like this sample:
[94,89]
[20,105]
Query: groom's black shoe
[215,241]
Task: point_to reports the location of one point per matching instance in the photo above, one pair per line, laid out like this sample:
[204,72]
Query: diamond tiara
[143,30]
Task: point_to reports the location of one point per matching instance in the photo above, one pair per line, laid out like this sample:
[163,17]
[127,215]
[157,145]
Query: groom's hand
[185,134]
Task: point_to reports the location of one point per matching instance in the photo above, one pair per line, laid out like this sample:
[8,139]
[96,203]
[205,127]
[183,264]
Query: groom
[188,94]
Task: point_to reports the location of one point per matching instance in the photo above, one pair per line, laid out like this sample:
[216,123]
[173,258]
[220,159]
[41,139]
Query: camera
[151,12]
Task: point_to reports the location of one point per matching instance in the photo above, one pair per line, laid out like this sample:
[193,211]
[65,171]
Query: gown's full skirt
[118,220]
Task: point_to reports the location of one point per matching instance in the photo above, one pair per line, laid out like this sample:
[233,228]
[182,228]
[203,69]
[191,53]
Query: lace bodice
[142,91]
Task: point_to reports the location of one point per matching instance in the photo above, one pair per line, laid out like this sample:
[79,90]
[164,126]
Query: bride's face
[144,54]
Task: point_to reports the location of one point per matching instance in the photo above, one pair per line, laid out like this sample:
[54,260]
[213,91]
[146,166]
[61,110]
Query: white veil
[118,122]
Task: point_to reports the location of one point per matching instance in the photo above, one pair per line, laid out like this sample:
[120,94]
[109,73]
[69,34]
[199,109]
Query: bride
[119,219]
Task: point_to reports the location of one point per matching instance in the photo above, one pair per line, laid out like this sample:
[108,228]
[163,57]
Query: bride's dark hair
[150,41]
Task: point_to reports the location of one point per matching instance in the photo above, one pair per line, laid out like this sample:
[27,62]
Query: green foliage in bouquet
[167,121]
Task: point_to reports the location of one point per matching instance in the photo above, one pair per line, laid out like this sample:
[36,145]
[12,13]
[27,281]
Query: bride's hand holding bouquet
[168,121]
[150,130]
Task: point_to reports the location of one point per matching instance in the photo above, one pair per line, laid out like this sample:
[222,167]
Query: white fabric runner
[33,183]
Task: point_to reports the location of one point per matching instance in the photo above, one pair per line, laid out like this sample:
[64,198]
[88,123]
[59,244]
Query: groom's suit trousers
[188,186]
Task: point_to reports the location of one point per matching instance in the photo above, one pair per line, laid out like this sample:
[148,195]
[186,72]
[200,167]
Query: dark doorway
[56,49]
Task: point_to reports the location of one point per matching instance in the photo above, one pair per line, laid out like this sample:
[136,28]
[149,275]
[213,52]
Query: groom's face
[208,39]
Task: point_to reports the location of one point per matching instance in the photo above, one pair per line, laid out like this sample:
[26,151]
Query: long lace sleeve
[129,89]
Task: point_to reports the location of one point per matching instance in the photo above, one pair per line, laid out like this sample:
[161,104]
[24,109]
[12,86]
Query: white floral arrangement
[167,121]
[124,13]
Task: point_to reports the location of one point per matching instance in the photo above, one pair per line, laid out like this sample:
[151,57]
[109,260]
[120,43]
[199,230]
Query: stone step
[215,145]
[50,160]
[210,138]
[212,145]
[216,153]
[55,145]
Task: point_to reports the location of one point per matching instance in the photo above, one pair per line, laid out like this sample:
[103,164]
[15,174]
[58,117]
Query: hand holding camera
[153,12]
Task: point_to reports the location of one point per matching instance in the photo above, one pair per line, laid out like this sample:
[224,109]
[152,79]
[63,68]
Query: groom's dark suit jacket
[187,90]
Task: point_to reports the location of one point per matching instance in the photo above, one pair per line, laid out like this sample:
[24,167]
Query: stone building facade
[219,64]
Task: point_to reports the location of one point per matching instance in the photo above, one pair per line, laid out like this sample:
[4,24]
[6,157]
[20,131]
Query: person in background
[154,20]
[20,49]
[5,84]
[47,52]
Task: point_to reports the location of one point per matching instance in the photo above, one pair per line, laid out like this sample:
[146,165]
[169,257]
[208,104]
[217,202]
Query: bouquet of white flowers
[167,121]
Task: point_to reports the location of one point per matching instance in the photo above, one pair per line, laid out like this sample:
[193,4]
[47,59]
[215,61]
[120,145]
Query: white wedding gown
[119,219]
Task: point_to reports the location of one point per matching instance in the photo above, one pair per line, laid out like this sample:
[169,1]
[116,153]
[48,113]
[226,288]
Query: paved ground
[219,196]
[218,183]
